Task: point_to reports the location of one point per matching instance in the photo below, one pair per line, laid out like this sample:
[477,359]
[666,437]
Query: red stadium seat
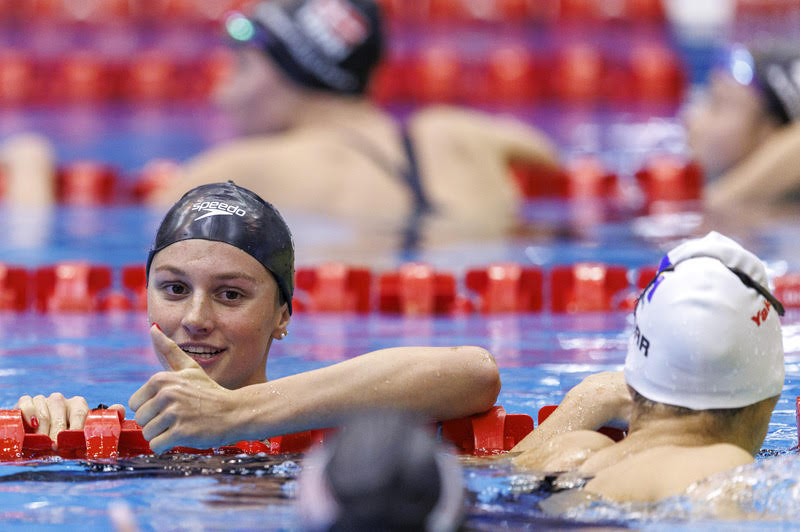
[81,76]
[86,183]
[586,287]
[390,82]
[17,78]
[508,76]
[436,73]
[416,289]
[506,288]
[151,76]
[656,74]
[71,287]
[13,288]
[335,287]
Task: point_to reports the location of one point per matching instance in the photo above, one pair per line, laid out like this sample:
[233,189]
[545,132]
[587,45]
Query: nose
[198,316]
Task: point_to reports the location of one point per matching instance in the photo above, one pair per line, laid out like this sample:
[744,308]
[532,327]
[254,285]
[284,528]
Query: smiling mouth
[202,352]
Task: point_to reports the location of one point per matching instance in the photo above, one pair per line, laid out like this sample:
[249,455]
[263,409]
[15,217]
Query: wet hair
[330,45]
[226,212]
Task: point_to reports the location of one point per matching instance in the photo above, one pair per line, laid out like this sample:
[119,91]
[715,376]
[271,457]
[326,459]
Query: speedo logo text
[217,208]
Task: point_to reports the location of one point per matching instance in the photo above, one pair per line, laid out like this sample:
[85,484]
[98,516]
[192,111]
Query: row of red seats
[107,434]
[661,179]
[413,289]
[507,75]
[404,11]
[86,77]
[513,74]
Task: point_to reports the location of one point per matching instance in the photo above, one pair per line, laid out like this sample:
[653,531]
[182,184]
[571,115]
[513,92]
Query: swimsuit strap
[410,176]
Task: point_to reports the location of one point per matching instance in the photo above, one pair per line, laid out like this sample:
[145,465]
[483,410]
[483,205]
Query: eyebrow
[226,276]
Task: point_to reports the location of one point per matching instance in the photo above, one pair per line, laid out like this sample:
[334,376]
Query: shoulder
[665,471]
[563,452]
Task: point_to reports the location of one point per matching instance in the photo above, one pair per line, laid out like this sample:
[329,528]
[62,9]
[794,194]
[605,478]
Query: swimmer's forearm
[595,402]
[438,383]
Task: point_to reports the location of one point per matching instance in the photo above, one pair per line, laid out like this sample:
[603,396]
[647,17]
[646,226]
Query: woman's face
[258,97]
[220,305]
[726,125]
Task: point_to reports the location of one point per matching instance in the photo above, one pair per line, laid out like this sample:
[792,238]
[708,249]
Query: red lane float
[583,178]
[492,432]
[613,433]
[506,288]
[86,183]
[416,289]
[335,287]
[13,288]
[587,287]
[71,287]
[670,183]
[787,290]
[108,435]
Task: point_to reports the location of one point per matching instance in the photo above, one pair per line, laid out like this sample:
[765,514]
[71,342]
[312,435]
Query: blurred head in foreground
[383,472]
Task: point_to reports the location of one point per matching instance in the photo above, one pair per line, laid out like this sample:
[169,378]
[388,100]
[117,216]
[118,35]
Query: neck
[326,109]
[688,431]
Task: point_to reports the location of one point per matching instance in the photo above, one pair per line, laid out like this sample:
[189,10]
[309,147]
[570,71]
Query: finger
[118,407]
[146,392]
[42,414]
[169,354]
[157,426]
[77,410]
[149,408]
[26,406]
[58,414]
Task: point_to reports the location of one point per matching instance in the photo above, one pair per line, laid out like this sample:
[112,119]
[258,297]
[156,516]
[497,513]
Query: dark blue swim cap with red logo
[226,212]
[331,45]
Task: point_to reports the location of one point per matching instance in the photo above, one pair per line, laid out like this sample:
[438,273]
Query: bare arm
[596,401]
[185,407]
[765,176]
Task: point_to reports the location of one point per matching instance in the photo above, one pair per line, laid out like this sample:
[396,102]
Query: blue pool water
[107,357]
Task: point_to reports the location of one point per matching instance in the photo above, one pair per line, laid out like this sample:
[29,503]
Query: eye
[175,289]
[231,295]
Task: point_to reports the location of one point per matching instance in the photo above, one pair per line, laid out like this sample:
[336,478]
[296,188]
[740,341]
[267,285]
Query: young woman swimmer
[220,282]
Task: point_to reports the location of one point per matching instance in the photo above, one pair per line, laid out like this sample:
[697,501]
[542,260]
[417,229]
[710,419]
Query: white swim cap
[707,331]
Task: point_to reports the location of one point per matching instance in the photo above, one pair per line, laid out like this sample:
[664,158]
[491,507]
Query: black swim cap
[777,70]
[331,45]
[226,212]
[383,471]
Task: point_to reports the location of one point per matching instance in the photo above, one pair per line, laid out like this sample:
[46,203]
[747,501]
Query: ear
[283,322]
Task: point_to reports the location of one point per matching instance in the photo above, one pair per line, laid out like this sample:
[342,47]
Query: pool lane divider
[412,289]
[107,435]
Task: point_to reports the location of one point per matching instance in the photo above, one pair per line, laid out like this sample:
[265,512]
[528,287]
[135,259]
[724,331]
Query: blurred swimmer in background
[743,131]
[220,284]
[704,370]
[312,141]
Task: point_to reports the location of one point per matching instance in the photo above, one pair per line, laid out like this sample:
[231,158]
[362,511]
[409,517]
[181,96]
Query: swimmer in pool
[220,282]
[312,140]
[744,131]
[704,371]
